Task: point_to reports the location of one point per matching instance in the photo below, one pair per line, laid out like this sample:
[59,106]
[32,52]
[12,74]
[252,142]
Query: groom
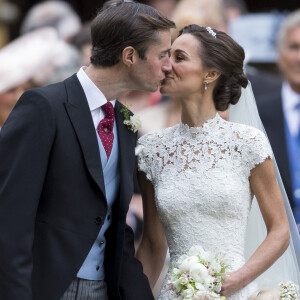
[67,166]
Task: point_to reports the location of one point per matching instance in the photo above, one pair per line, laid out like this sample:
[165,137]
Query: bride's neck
[196,111]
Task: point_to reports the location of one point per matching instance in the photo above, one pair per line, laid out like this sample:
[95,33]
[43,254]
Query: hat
[24,57]
[57,14]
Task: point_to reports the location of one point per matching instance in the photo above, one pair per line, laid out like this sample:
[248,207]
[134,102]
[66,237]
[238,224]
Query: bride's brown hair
[221,53]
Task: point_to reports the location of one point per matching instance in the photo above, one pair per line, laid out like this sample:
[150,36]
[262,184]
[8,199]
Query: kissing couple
[68,164]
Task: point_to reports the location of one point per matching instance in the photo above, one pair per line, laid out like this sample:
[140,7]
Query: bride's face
[187,74]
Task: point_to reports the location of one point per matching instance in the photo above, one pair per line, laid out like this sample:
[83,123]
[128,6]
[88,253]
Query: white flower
[189,292]
[177,285]
[209,281]
[216,266]
[199,286]
[188,263]
[193,275]
[138,149]
[288,290]
[198,250]
[195,250]
[183,280]
[134,123]
[199,273]
[180,282]
[175,271]
[217,287]
[181,259]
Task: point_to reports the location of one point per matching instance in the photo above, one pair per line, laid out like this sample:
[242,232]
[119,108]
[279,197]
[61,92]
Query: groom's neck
[111,81]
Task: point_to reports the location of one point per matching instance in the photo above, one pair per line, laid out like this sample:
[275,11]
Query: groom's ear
[129,56]
[212,75]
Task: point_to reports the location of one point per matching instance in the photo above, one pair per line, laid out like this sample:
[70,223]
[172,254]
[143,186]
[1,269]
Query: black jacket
[52,198]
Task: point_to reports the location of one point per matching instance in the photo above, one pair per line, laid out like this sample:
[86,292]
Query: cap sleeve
[259,149]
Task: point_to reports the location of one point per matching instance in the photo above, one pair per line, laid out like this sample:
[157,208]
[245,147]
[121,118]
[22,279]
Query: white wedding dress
[202,192]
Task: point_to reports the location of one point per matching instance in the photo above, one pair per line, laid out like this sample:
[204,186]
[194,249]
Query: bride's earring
[205,84]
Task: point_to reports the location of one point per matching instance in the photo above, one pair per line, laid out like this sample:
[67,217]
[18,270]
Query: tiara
[210,31]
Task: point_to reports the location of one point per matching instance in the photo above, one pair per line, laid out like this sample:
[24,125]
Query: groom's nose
[167,67]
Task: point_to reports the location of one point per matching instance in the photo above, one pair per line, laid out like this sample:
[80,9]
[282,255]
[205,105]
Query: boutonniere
[133,123]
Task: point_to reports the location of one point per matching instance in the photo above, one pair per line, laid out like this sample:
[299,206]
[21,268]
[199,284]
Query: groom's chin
[165,90]
[153,89]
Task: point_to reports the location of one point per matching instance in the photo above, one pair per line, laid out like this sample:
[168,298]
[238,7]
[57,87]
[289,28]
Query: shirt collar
[93,94]
[289,96]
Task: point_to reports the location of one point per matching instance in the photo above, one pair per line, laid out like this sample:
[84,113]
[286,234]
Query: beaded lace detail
[203,196]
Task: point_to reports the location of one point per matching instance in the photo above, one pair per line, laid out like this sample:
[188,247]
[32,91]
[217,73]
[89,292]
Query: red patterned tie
[106,126]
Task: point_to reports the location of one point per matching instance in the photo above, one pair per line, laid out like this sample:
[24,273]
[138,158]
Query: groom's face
[151,71]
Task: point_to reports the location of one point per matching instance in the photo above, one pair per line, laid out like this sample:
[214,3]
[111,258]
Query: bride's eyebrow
[181,51]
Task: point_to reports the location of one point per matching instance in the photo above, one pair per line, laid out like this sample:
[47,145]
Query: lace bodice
[200,177]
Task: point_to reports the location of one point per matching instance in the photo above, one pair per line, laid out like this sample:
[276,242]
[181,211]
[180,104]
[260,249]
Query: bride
[198,178]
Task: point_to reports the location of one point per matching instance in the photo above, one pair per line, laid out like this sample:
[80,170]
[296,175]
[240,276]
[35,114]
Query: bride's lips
[167,78]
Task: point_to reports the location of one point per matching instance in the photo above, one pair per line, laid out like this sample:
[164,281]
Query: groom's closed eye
[165,53]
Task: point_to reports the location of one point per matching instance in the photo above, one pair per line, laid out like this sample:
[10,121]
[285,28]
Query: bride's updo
[221,53]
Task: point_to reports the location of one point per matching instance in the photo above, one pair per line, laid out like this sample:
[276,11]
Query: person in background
[234,8]
[60,16]
[20,61]
[166,7]
[279,108]
[83,42]
[66,61]
[57,14]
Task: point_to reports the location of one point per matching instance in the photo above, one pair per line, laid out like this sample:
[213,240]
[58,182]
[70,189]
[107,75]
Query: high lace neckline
[208,124]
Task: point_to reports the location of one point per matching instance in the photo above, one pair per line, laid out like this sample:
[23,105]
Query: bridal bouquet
[288,291]
[198,275]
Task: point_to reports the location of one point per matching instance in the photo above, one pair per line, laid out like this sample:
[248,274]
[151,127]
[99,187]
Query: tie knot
[108,110]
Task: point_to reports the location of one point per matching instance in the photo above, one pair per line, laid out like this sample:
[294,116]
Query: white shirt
[94,96]
[289,100]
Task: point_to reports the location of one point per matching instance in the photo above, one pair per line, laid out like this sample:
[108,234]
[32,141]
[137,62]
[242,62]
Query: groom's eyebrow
[166,51]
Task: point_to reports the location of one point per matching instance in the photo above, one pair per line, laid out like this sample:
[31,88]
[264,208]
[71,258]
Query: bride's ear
[212,76]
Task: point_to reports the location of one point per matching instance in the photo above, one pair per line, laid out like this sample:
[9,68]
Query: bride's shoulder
[251,142]
[246,133]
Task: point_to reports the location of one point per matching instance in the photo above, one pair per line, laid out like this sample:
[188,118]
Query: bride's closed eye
[179,58]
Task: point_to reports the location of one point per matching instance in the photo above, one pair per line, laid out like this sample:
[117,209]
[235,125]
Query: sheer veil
[286,268]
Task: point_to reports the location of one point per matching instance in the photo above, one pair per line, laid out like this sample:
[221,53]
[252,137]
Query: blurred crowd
[54,43]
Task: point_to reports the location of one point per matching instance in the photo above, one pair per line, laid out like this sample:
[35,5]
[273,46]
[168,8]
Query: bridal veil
[286,268]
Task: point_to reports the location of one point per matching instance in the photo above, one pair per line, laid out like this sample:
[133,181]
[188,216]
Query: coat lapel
[127,143]
[81,118]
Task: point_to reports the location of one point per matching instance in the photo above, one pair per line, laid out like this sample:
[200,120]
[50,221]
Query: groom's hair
[125,23]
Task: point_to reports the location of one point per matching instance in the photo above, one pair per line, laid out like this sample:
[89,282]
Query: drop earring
[205,85]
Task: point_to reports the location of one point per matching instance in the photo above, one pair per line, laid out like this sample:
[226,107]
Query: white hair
[290,22]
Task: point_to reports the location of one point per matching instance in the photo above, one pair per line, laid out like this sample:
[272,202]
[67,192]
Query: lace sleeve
[144,157]
[259,148]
